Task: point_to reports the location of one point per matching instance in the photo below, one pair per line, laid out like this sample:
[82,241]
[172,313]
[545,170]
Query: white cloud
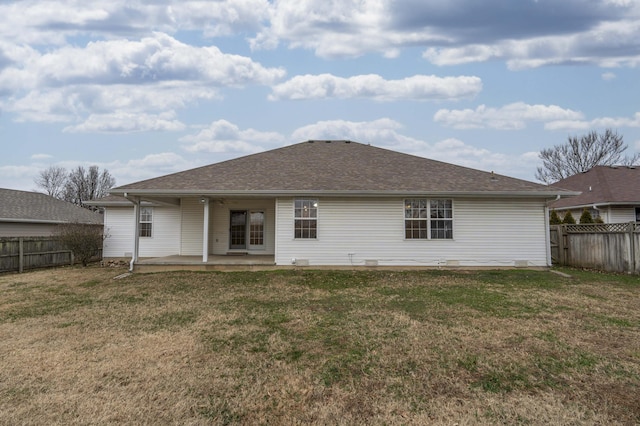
[41,156]
[18,177]
[150,60]
[607,76]
[155,75]
[598,123]
[373,86]
[135,169]
[150,166]
[387,133]
[509,117]
[332,28]
[593,46]
[125,122]
[223,136]
[47,22]
[383,129]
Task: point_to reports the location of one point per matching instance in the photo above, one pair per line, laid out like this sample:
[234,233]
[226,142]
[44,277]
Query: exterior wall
[369,231]
[609,214]
[622,214]
[21,229]
[192,227]
[220,217]
[120,227]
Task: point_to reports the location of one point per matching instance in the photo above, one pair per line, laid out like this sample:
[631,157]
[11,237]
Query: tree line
[77,186]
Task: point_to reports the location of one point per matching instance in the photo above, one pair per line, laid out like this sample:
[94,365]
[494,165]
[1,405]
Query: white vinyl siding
[609,214]
[119,225]
[622,214]
[119,230]
[192,227]
[368,231]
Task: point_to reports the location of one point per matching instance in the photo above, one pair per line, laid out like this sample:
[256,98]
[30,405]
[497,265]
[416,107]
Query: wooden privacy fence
[24,253]
[612,247]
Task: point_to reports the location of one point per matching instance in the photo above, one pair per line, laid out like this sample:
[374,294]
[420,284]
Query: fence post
[562,254]
[20,255]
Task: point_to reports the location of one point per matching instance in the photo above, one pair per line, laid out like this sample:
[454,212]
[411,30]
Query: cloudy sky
[146,88]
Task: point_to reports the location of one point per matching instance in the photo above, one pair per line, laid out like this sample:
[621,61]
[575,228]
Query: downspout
[597,208]
[136,227]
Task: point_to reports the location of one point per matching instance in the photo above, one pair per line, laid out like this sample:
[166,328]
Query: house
[611,193]
[332,203]
[31,214]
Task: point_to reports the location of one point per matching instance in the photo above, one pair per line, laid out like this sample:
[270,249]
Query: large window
[428,219]
[305,218]
[146,221]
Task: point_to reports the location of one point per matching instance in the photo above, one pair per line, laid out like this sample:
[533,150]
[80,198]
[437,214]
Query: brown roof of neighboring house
[333,167]
[24,206]
[602,185]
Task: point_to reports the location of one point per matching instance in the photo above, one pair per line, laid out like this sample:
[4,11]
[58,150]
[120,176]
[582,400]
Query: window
[146,216]
[441,219]
[428,219]
[256,228]
[305,218]
[415,218]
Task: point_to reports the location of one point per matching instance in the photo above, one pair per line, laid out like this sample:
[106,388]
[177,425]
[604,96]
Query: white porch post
[547,239]
[136,232]
[205,230]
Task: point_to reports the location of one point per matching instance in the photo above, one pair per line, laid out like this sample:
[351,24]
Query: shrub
[554,219]
[586,217]
[568,219]
[85,241]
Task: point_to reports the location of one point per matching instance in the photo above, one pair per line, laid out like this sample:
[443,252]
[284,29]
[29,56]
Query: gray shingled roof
[333,166]
[602,185]
[26,206]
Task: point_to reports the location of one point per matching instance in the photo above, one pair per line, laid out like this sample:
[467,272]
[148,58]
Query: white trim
[205,230]
[346,193]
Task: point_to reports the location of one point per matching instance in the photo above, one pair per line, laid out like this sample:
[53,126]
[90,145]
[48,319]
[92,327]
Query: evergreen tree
[554,219]
[568,219]
[586,217]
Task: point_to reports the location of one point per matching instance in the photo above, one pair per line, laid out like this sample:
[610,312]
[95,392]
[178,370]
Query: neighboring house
[31,214]
[609,192]
[334,203]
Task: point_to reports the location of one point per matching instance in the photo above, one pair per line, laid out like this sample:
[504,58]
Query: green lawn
[323,347]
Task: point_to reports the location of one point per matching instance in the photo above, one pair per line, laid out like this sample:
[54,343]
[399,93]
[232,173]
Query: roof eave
[337,193]
[45,221]
[596,204]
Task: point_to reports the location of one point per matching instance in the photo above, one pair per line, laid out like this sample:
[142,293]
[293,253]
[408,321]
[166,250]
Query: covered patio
[214,263]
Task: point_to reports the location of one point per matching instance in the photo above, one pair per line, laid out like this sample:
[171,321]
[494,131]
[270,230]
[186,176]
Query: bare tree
[85,241]
[87,184]
[52,181]
[580,154]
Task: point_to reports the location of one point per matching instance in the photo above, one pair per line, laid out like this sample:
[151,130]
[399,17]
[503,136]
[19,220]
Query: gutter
[343,193]
[44,221]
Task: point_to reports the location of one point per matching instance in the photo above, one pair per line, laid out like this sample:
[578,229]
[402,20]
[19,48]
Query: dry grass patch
[323,347]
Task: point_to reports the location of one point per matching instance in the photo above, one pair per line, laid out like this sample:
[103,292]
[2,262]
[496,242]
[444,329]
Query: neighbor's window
[428,219]
[305,218]
[146,219]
